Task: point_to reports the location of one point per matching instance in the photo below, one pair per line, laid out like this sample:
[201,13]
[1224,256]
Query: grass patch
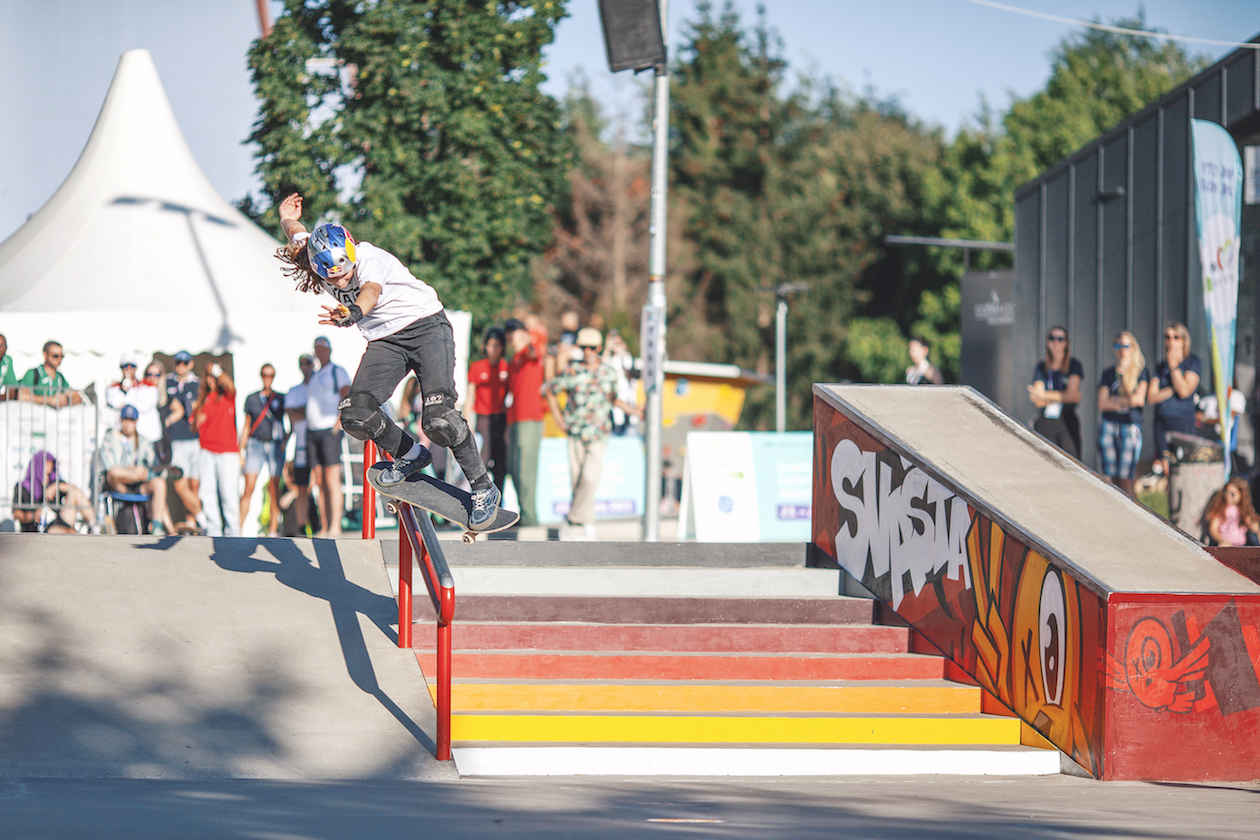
[1156,500]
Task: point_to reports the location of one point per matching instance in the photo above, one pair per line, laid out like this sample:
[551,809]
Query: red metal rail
[418,539]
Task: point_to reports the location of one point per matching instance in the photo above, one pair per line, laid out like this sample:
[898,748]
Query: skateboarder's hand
[291,208]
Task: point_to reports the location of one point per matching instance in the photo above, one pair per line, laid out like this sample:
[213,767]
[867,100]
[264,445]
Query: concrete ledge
[717,762]
[497,552]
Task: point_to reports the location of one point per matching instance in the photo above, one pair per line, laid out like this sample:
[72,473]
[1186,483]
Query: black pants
[426,348]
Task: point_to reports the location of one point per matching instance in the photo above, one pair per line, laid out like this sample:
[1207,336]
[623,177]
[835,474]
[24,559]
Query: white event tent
[137,252]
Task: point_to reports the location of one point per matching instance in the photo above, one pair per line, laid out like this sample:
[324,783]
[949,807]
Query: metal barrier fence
[62,423]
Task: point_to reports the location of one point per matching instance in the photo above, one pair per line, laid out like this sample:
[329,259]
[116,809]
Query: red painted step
[653,610]
[530,665]
[710,638]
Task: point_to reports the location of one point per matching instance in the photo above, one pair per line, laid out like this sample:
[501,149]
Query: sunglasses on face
[1120,346]
[1057,338]
[151,374]
[1171,337]
[54,355]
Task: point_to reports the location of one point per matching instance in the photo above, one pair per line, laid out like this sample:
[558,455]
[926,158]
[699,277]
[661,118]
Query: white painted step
[719,762]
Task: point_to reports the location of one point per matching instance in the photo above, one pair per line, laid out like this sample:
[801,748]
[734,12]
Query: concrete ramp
[1113,634]
[189,658]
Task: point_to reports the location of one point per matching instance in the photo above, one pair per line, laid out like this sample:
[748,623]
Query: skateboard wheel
[469,538]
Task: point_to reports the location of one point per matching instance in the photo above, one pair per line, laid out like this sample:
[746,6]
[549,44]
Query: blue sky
[936,56]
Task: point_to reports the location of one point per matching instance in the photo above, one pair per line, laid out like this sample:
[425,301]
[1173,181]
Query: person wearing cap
[44,384]
[126,462]
[297,469]
[214,417]
[328,386]
[130,389]
[181,392]
[590,388]
[406,329]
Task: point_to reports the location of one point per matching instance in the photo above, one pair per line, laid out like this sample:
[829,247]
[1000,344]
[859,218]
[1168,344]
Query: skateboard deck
[435,496]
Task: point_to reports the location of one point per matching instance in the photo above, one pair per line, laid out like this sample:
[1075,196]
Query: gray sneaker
[485,507]
[401,468]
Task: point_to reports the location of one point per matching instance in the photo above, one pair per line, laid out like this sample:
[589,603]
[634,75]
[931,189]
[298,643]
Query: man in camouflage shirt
[590,387]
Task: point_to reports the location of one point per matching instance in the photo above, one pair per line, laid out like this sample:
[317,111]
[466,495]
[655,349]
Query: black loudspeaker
[632,34]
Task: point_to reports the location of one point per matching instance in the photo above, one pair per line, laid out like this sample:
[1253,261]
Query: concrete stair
[573,680]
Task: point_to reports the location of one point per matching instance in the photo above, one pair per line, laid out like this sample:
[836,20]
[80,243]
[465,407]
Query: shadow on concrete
[115,663]
[347,600]
[915,808]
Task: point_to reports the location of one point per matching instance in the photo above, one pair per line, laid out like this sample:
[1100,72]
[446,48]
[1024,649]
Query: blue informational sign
[622,488]
[748,487]
[783,464]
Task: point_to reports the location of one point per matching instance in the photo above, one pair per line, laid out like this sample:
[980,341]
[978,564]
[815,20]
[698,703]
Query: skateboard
[428,493]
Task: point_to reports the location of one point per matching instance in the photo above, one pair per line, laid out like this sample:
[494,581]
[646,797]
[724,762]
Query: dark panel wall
[1105,241]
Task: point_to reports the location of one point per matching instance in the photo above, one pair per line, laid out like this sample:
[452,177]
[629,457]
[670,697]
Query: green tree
[778,187]
[433,138]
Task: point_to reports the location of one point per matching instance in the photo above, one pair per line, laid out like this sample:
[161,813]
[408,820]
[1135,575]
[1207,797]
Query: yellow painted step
[736,730]
[848,699]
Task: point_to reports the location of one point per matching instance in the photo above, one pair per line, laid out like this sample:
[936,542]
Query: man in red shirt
[525,412]
[484,406]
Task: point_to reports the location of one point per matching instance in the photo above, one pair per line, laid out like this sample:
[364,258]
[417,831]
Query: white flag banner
[1218,180]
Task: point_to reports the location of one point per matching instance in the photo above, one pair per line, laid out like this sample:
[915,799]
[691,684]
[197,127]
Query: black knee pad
[442,423]
[361,416]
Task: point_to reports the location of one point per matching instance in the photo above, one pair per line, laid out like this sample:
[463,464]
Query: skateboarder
[407,329]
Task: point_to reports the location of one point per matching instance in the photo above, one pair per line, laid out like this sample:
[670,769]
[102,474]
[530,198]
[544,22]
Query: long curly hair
[1246,510]
[297,267]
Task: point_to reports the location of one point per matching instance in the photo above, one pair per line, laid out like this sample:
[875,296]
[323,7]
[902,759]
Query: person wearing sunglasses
[1172,391]
[1056,390]
[44,384]
[1121,396]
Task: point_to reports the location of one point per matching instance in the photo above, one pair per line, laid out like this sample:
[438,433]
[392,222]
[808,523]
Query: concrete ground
[911,808]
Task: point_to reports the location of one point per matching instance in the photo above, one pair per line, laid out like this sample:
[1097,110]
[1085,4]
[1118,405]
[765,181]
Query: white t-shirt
[404,298]
[322,395]
[296,398]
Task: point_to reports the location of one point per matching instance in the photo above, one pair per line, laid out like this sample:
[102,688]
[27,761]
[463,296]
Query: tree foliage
[429,137]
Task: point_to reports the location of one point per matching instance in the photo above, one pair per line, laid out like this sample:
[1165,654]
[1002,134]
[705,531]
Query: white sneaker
[588,532]
[568,532]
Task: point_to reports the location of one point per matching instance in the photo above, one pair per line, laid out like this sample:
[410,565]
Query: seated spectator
[41,499]
[1230,516]
[45,384]
[142,393]
[125,461]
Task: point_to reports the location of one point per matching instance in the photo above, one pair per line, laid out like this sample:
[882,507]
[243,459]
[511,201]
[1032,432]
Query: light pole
[781,292]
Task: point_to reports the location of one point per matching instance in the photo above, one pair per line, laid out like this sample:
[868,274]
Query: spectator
[130,390]
[128,464]
[181,394]
[484,406]
[44,383]
[214,416]
[1056,390]
[591,390]
[525,414]
[155,376]
[297,473]
[617,356]
[41,498]
[328,386]
[1231,517]
[8,377]
[922,372]
[1173,390]
[262,444]
[1121,395]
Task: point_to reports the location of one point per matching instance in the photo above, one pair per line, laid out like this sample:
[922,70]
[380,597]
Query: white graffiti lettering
[900,520]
